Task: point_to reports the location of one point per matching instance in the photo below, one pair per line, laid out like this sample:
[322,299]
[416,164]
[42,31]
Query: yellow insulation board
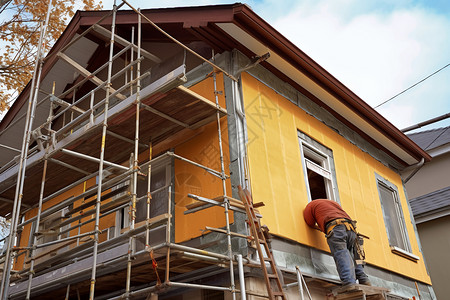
[277,178]
[203,149]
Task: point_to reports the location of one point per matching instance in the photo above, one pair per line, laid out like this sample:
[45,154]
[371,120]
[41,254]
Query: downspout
[240,113]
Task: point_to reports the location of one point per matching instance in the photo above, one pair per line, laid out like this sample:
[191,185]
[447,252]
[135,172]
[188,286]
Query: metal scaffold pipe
[102,155]
[24,154]
[135,156]
[224,189]
[41,197]
[241,276]
[133,82]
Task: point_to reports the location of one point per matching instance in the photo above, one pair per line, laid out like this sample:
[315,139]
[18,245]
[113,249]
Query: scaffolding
[85,142]
[67,141]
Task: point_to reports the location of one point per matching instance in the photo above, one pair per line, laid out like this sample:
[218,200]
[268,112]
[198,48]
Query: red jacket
[322,211]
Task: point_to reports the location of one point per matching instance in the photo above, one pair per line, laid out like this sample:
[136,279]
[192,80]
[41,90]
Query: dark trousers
[342,242]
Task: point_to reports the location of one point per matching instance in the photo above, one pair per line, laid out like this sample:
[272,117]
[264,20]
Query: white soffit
[275,60]
[60,73]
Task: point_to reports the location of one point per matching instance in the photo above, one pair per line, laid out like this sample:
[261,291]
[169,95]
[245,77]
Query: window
[318,165]
[50,230]
[393,216]
[160,181]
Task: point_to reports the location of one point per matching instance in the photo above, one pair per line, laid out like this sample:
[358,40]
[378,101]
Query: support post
[32,102]
[102,155]
[241,276]
[41,197]
[301,281]
[134,163]
[224,188]
[149,195]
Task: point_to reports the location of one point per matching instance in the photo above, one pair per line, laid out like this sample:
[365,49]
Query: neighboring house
[429,193]
[118,212]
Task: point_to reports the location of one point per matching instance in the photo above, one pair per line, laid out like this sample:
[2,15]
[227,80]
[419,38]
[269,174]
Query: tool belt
[348,224]
[358,249]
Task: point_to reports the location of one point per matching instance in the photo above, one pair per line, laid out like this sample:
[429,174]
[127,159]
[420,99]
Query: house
[428,188]
[146,122]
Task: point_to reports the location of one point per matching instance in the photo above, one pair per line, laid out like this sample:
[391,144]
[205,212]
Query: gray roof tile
[430,139]
[431,202]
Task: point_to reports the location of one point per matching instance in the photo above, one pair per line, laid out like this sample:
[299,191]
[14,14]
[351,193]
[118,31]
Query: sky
[377,48]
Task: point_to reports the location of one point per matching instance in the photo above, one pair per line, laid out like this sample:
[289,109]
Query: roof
[236,26]
[431,139]
[432,203]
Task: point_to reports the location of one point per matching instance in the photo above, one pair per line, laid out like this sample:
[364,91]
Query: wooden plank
[115,203]
[232,233]
[66,104]
[151,222]
[92,202]
[234,204]
[358,290]
[202,99]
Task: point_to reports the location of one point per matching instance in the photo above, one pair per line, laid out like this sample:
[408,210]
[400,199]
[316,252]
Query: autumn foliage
[20,23]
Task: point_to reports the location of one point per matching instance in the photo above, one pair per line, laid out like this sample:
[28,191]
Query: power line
[412,86]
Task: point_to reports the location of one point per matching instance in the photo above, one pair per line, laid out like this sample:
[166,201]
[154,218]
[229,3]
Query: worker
[341,238]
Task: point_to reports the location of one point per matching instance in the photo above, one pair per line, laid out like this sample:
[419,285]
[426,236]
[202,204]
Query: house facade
[429,193]
[146,122]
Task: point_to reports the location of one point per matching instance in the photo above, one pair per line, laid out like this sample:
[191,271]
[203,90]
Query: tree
[20,23]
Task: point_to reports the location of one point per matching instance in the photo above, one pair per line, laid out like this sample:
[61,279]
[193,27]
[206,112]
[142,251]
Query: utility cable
[412,86]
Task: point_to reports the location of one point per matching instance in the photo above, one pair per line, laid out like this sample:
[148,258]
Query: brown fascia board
[250,22]
[190,16]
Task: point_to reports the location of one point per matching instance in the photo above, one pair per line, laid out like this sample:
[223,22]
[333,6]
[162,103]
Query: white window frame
[405,249]
[310,147]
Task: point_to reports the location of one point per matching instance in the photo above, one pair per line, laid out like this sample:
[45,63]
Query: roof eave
[242,16]
[246,19]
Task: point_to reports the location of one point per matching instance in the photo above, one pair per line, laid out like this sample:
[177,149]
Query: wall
[277,178]
[431,177]
[435,238]
[49,251]
[434,234]
[203,149]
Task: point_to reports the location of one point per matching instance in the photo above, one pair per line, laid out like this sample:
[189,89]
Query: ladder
[275,290]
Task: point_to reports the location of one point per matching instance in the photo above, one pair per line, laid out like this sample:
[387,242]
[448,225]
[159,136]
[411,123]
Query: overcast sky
[377,48]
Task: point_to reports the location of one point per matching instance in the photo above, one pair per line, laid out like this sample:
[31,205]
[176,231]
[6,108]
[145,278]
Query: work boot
[365,282]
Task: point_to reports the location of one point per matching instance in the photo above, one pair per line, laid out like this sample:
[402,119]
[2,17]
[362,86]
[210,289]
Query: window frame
[404,250]
[122,219]
[311,147]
